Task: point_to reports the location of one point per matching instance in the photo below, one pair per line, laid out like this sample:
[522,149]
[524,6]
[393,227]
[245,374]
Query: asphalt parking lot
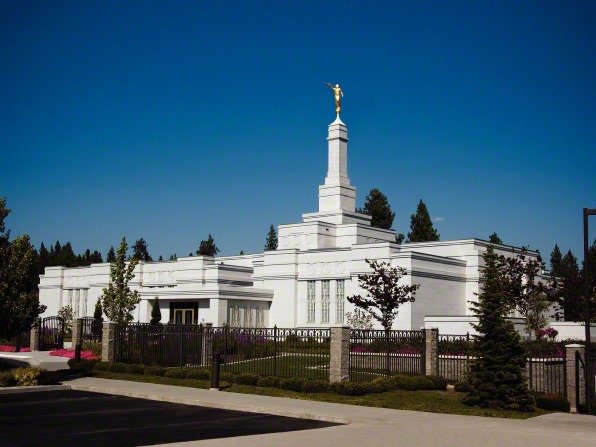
[78,418]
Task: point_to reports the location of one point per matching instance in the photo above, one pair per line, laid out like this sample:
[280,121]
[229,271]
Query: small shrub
[101,366]
[48,378]
[382,384]
[198,374]
[315,386]
[27,376]
[84,366]
[553,402]
[247,379]
[227,377]
[176,373]
[154,371]
[291,383]
[135,369]
[461,386]
[439,382]
[406,383]
[269,382]
[117,367]
[7,379]
[351,388]
[424,383]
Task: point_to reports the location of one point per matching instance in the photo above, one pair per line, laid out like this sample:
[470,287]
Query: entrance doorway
[184,316]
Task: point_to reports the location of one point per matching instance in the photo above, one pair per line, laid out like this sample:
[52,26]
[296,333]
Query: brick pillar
[572,376]
[76,323]
[431,340]
[34,337]
[108,342]
[339,364]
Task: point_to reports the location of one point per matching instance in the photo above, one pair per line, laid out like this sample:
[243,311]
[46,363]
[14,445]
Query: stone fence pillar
[431,350]
[339,363]
[34,336]
[575,375]
[76,324]
[108,342]
[206,344]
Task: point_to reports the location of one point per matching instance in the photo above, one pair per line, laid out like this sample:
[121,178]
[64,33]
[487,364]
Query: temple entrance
[184,316]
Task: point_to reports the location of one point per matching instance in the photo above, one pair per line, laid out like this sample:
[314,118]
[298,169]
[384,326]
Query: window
[76,305]
[70,298]
[84,308]
[339,300]
[248,317]
[310,302]
[260,318]
[235,316]
[325,301]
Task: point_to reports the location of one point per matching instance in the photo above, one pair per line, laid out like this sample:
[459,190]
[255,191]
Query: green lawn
[448,402]
[285,365]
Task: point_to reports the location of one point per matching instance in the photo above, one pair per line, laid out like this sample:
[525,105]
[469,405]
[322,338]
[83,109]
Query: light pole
[587,315]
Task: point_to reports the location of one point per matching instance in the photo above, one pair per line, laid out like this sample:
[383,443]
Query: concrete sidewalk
[38,359]
[365,426]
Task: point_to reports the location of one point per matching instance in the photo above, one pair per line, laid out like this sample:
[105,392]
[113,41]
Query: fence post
[75,332]
[431,352]
[34,337]
[207,342]
[275,351]
[339,362]
[576,393]
[108,342]
[77,337]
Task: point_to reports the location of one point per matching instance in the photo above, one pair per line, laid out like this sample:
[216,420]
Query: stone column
[431,351]
[339,363]
[108,342]
[206,344]
[573,374]
[34,337]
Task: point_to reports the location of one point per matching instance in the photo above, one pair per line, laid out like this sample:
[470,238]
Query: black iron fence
[453,356]
[91,330]
[51,333]
[274,352]
[547,375]
[379,353]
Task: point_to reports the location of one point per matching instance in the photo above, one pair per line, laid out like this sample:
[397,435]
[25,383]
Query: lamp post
[587,315]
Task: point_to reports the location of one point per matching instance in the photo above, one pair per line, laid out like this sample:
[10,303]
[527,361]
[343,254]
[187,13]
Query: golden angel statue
[338,93]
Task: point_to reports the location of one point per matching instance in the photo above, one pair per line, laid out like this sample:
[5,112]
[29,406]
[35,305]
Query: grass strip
[446,402]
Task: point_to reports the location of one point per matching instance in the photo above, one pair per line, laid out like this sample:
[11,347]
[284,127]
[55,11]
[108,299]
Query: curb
[33,389]
[219,405]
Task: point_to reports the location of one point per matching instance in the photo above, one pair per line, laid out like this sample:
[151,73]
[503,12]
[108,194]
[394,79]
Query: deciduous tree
[118,300]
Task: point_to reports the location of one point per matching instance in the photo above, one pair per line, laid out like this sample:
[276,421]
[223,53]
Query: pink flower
[69,353]
[4,348]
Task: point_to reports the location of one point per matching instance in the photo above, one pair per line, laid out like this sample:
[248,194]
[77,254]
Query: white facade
[305,282]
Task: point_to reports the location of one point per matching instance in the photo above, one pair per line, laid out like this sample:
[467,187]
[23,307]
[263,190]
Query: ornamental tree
[496,376]
[385,294]
[421,226]
[271,242]
[97,323]
[155,312]
[118,300]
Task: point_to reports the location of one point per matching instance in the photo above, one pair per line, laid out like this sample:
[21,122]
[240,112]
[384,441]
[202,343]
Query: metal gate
[51,333]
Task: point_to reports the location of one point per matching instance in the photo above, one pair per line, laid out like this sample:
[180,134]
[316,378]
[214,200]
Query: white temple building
[305,282]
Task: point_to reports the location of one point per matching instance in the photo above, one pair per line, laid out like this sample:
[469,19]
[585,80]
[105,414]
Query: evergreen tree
[97,323]
[111,256]
[567,291]
[207,248]
[271,242]
[118,300]
[96,257]
[496,375]
[421,226]
[66,256]
[399,238]
[173,257]
[241,252]
[495,239]
[140,251]
[556,258]
[155,312]
[377,206]
[160,258]
[44,258]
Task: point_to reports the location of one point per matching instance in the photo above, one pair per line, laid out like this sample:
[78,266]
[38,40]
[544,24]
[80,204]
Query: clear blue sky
[173,120]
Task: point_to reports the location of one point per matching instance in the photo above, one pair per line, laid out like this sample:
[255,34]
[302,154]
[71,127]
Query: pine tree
[207,248]
[174,257]
[556,258]
[97,323]
[496,376]
[160,258]
[155,312]
[495,239]
[567,286]
[44,258]
[271,242]
[140,251]
[422,226]
[377,206]
[111,256]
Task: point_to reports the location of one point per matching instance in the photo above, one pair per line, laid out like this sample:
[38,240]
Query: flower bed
[70,353]
[5,348]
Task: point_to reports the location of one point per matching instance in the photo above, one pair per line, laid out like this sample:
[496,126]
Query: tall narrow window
[248,317]
[310,302]
[339,300]
[76,303]
[325,301]
[260,318]
[235,316]
[84,306]
[70,299]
